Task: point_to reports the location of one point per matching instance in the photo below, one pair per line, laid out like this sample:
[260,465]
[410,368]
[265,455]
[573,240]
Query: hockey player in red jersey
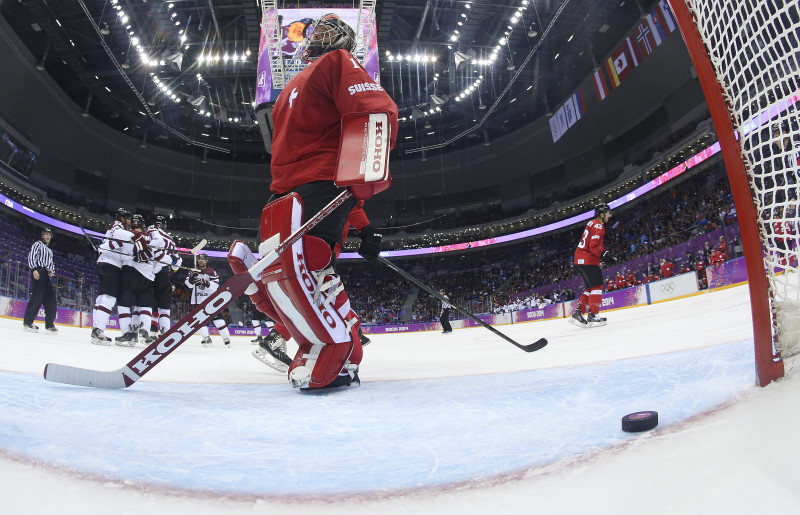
[620,282]
[588,255]
[301,291]
[667,268]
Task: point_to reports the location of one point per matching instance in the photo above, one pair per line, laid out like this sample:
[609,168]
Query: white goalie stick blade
[114,379]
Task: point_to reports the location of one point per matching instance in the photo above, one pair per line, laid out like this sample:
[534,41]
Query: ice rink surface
[449,423]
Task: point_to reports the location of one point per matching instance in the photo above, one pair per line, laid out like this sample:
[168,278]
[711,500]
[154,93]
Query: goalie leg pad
[316,366]
[241,258]
[310,298]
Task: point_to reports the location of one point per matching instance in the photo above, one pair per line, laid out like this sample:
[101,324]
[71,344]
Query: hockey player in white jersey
[164,257]
[109,269]
[203,282]
[137,288]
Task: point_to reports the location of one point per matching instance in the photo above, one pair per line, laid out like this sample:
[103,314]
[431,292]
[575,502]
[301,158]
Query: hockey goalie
[334,127]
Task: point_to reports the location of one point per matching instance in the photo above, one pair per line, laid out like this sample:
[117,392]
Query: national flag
[644,39]
[632,51]
[654,22]
[620,63]
[612,73]
[667,16]
[600,86]
[580,105]
[554,128]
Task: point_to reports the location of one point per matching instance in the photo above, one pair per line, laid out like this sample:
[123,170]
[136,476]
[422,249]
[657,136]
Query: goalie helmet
[326,34]
[601,208]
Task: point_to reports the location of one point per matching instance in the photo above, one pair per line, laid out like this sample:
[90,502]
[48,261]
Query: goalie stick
[531,347]
[186,326]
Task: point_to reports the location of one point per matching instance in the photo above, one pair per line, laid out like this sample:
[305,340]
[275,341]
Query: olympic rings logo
[668,287]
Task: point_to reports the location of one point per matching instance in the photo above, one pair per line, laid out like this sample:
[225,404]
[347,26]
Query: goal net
[746,55]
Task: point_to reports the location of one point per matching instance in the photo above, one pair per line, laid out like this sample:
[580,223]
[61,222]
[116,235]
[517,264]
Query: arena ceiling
[457,69]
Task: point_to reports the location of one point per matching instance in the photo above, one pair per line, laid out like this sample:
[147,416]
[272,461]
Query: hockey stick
[531,347]
[88,238]
[197,248]
[194,250]
[186,326]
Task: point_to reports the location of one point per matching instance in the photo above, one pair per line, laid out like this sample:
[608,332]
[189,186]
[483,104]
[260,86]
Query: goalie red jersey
[308,152]
[590,248]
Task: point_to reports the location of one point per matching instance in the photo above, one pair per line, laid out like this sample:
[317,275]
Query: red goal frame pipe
[769,366]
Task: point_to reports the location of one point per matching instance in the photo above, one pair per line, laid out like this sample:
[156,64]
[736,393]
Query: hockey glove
[141,252]
[177,261]
[370,243]
[607,258]
[194,277]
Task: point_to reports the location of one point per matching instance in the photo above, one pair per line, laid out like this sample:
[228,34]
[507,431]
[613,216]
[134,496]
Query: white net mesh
[753,47]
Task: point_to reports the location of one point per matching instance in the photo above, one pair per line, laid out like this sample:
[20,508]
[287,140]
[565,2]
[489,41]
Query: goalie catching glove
[607,258]
[370,246]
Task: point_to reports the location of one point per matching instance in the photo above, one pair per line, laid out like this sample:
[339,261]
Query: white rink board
[678,286]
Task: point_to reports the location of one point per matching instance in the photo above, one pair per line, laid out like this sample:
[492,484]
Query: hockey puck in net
[639,421]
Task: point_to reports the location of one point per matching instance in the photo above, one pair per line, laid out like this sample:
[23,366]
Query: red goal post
[745,53]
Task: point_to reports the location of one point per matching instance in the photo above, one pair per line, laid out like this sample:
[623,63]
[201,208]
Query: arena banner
[678,286]
[15,308]
[543,313]
[634,296]
[729,272]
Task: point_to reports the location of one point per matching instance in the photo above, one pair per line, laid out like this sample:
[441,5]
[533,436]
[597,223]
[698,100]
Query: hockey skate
[51,330]
[206,342]
[31,328]
[128,339]
[578,320]
[272,352]
[258,339]
[145,337]
[363,337]
[99,337]
[300,377]
[227,343]
[593,320]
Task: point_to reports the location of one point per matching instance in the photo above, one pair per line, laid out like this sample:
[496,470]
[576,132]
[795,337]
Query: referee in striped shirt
[40,261]
[444,319]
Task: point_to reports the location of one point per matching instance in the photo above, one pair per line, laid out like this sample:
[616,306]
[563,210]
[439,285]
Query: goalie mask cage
[746,56]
